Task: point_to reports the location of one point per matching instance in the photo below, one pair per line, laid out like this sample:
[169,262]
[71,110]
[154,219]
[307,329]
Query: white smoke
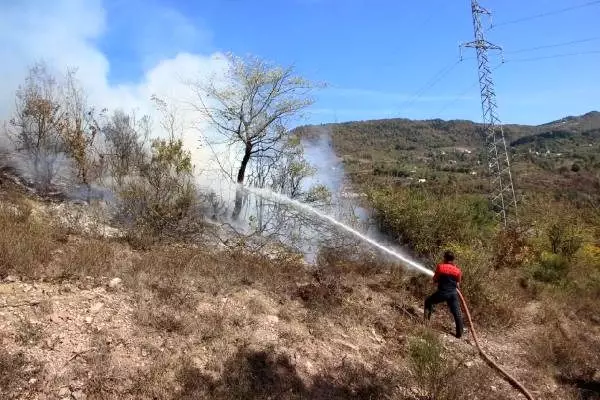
[64,33]
[318,151]
[347,205]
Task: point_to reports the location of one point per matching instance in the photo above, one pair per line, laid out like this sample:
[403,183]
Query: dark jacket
[447,277]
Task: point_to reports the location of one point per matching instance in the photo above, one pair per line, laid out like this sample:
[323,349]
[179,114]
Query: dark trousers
[452,300]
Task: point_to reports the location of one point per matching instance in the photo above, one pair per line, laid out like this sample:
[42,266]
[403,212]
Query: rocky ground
[88,339]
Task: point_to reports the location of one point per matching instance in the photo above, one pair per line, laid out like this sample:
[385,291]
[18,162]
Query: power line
[581,53]
[457,97]
[441,74]
[548,13]
[549,46]
[461,94]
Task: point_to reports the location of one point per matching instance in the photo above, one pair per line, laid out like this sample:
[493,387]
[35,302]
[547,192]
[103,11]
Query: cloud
[66,33]
[147,31]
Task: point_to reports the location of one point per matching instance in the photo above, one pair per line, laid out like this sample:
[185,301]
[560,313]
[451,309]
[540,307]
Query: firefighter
[447,276]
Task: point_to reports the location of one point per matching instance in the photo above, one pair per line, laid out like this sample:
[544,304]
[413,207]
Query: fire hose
[490,362]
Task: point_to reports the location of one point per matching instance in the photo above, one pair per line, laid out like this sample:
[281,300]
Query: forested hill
[406,134]
[543,155]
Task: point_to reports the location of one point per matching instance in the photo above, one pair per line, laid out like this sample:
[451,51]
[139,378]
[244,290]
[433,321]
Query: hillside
[90,316]
[89,310]
[443,152]
[428,186]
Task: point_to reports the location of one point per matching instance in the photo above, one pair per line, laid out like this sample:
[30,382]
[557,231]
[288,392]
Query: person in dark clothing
[447,276]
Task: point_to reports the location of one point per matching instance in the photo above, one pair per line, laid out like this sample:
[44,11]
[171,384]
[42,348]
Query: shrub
[93,258]
[564,238]
[432,371]
[444,378]
[551,268]
[425,353]
[510,249]
[490,293]
[324,294]
[159,200]
[26,245]
[583,295]
[428,222]
[572,353]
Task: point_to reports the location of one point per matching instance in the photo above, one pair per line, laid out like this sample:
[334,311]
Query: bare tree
[125,140]
[291,170]
[37,124]
[252,108]
[80,131]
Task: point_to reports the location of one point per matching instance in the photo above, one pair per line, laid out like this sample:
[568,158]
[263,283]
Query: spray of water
[280,198]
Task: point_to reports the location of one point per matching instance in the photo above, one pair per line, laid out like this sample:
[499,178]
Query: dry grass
[158,380]
[101,376]
[247,374]
[163,319]
[165,303]
[15,372]
[197,298]
[29,333]
[92,257]
[266,374]
[32,248]
[443,377]
[569,351]
[25,245]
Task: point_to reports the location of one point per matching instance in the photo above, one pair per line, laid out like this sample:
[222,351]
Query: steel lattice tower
[502,190]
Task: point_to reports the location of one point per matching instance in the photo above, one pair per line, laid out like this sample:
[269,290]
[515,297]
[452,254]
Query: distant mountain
[406,134]
[586,122]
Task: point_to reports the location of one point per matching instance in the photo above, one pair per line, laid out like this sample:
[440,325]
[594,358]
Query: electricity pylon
[503,197]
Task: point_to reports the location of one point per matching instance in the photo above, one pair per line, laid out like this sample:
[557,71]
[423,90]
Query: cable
[506,375]
[458,96]
[546,14]
[441,74]
[455,99]
[581,53]
[552,45]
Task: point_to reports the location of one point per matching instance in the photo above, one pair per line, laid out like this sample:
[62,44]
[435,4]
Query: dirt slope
[85,339]
[84,316]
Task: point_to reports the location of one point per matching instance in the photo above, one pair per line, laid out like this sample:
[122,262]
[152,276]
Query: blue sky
[376,55]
